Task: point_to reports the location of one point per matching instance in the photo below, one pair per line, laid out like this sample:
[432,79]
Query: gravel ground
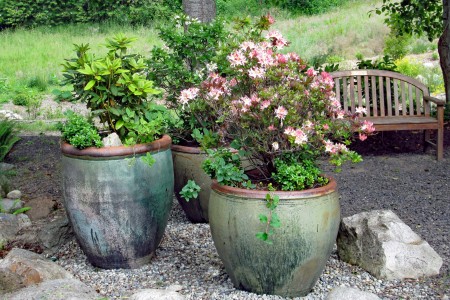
[412,184]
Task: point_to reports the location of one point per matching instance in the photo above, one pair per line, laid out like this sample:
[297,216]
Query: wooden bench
[393,102]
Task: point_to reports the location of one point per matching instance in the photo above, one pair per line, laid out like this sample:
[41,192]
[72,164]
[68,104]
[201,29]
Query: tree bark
[444,52]
[203,10]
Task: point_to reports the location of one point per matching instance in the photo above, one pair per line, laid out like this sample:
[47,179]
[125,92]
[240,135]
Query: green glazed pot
[187,165]
[117,204]
[289,267]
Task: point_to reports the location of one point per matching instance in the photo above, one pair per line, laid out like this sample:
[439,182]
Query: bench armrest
[438,102]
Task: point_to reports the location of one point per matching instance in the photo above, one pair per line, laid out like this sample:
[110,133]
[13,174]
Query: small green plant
[435,56]
[21,98]
[38,83]
[79,132]
[397,46]
[271,221]
[409,67]
[190,190]
[385,63]
[359,56]
[33,106]
[8,137]
[148,159]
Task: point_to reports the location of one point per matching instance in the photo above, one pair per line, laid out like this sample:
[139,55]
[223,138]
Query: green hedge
[28,13]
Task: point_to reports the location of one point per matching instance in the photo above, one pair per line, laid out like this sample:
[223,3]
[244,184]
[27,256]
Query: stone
[10,225]
[57,289]
[16,194]
[40,208]
[9,281]
[9,115]
[112,140]
[6,167]
[156,294]
[32,267]
[9,206]
[379,242]
[54,234]
[346,293]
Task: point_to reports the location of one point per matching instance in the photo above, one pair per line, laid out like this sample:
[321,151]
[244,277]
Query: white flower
[275,146]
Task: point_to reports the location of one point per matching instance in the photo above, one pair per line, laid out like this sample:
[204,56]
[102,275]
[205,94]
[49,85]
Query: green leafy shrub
[8,137]
[409,67]
[21,98]
[386,63]
[79,132]
[307,6]
[397,46]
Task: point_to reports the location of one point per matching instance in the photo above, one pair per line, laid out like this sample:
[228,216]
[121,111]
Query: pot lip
[159,145]
[188,149]
[261,194]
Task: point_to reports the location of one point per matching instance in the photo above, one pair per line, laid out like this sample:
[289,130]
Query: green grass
[31,58]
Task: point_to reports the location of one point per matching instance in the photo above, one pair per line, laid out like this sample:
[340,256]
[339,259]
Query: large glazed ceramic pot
[117,204]
[290,266]
[187,164]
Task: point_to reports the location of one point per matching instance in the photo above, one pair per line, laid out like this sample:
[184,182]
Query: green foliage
[189,49]
[21,210]
[79,132]
[294,175]
[396,46]
[21,99]
[385,63]
[271,221]
[225,167]
[190,190]
[8,137]
[116,90]
[409,67]
[15,13]
[309,7]
[413,16]
[206,138]
[148,159]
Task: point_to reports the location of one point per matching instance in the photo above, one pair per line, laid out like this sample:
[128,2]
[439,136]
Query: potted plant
[274,224]
[117,198]
[189,51]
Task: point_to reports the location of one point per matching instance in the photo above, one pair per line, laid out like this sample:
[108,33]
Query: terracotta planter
[187,164]
[289,267]
[117,204]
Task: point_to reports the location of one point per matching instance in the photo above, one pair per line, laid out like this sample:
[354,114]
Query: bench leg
[426,139]
[440,144]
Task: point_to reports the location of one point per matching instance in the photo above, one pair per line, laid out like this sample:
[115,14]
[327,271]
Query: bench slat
[352,94]
[396,103]
[411,100]
[380,80]
[358,80]
[374,97]
[404,109]
[388,97]
[345,100]
[418,104]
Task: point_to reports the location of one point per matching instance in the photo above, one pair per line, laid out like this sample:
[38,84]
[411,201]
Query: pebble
[187,261]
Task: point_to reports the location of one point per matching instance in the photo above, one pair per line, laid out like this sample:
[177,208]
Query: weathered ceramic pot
[289,267]
[187,165]
[117,204]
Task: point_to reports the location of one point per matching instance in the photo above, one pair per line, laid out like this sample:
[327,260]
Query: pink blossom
[274,34]
[311,72]
[282,59]
[340,114]
[270,19]
[367,127]
[300,137]
[246,101]
[215,93]
[247,45]
[289,130]
[237,58]
[255,98]
[281,112]
[326,127]
[265,104]
[233,82]
[256,72]
[293,56]
[271,128]
[187,95]
[361,110]
[308,125]
[362,137]
[326,79]
[306,93]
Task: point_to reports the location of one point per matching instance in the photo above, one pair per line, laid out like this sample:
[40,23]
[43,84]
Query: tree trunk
[444,52]
[203,10]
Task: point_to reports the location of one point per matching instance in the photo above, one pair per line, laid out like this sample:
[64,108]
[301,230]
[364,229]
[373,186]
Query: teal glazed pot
[290,266]
[187,165]
[117,204]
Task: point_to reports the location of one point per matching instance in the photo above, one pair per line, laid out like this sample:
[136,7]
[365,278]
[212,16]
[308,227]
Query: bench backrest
[382,93]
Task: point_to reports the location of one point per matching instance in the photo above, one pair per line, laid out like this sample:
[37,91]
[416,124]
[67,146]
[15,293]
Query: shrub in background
[397,46]
[309,7]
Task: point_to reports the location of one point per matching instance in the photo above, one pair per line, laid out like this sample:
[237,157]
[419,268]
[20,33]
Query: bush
[409,67]
[309,7]
[397,46]
[15,13]
[79,132]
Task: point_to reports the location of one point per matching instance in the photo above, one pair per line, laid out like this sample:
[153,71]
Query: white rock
[16,194]
[9,115]
[379,242]
[112,140]
[156,294]
[10,206]
[346,293]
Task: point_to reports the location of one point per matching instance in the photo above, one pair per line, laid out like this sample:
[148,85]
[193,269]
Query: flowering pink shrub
[272,107]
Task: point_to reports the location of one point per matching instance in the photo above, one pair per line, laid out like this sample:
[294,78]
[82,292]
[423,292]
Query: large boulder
[55,233]
[57,289]
[379,242]
[10,225]
[32,267]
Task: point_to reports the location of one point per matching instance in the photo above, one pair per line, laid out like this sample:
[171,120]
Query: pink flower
[247,45]
[300,137]
[237,58]
[293,56]
[311,72]
[282,59]
[265,104]
[362,137]
[367,127]
[187,95]
[255,98]
[340,114]
[326,127]
[246,101]
[274,34]
[215,93]
[361,110]
[289,131]
[281,112]
[256,72]
[271,128]
[233,82]
[270,19]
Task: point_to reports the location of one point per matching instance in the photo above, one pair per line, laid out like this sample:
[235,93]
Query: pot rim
[261,194]
[188,149]
[159,145]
